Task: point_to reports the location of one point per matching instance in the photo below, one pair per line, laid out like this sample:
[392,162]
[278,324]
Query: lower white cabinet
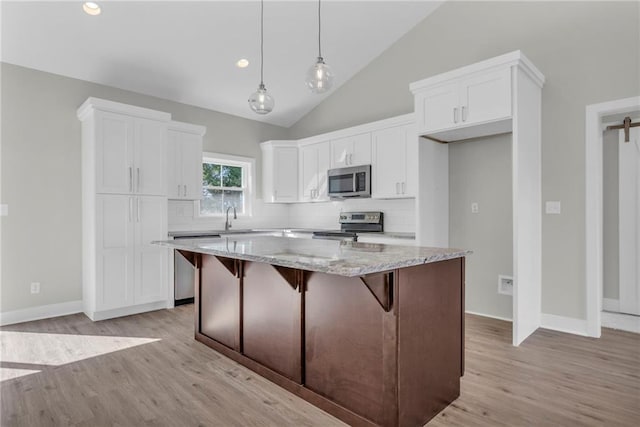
[315,160]
[394,166]
[127,272]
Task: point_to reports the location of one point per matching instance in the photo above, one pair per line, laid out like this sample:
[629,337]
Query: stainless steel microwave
[354,181]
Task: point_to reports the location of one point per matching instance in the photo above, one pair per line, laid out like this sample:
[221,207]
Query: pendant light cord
[319,27]
[261,42]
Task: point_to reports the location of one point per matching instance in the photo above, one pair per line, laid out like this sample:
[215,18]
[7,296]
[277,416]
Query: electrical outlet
[35,287]
[505,285]
[553,207]
[4,210]
[474,207]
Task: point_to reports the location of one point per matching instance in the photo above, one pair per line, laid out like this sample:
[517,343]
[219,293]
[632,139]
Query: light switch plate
[553,207]
[4,210]
[474,207]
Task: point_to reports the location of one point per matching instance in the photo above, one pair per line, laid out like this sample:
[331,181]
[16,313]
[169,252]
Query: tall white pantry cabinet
[124,203]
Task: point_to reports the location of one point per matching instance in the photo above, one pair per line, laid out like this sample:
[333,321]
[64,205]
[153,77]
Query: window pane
[234,199]
[231,176]
[211,174]
[211,202]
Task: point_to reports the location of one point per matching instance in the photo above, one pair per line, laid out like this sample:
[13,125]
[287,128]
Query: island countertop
[344,258]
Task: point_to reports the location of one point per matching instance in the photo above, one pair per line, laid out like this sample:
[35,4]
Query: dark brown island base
[382,348]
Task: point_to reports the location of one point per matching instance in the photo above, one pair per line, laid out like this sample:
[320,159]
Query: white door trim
[593,203]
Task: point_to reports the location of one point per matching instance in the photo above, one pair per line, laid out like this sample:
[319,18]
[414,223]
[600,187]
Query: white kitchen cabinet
[499,95]
[454,109]
[130,154]
[315,160]
[351,150]
[184,148]
[279,171]
[124,208]
[394,162]
[130,271]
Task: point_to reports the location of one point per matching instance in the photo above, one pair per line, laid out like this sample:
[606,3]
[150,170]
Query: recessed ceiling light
[91,8]
[242,63]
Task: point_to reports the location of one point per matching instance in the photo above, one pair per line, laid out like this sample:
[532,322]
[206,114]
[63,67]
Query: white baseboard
[624,322]
[40,312]
[126,311]
[488,315]
[564,324]
[609,304]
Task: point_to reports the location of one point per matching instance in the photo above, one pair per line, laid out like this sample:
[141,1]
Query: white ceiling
[186,51]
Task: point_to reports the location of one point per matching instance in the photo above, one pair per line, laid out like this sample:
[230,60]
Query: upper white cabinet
[394,165]
[314,162]
[130,153]
[279,171]
[473,102]
[184,148]
[351,150]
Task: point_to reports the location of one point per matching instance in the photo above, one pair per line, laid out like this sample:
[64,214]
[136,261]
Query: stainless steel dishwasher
[184,273]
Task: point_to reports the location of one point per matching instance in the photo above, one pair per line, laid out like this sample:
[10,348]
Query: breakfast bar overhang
[372,334]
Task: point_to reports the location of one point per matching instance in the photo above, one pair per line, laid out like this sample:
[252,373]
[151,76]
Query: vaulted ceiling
[186,51]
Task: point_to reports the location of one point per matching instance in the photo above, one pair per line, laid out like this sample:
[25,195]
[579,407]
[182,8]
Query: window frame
[248,165]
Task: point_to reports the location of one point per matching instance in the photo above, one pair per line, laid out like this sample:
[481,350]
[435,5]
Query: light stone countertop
[343,258]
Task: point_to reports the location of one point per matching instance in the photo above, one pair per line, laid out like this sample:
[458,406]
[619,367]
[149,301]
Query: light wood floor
[553,379]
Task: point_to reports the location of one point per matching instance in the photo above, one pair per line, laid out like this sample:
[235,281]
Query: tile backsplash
[399,215]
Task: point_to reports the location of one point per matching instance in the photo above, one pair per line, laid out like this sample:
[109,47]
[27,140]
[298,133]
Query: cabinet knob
[455,114]
[464,115]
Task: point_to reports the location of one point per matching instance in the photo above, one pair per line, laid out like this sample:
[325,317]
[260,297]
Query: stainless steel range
[352,223]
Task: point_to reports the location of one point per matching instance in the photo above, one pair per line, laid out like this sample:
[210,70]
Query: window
[225,183]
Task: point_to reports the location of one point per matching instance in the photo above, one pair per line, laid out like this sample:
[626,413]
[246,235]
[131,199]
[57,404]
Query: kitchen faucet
[227,224]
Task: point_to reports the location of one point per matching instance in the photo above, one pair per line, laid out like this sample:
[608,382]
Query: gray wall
[480,172]
[589,53]
[610,267]
[41,237]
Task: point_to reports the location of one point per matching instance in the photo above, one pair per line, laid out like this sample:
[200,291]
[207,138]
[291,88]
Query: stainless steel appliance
[351,223]
[354,181]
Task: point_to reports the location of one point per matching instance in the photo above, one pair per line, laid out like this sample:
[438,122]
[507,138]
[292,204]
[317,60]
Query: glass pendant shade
[319,77]
[260,101]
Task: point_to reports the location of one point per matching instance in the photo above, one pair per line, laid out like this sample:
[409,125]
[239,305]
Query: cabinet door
[150,157]
[389,162]
[191,158]
[308,172]
[340,150]
[151,260]
[361,154]
[323,165]
[437,108]
[410,186]
[285,172]
[174,165]
[114,153]
[351,151]
[486,97]
[114,251]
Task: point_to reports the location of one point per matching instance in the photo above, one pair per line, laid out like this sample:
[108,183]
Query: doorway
[598,117]
[621,215]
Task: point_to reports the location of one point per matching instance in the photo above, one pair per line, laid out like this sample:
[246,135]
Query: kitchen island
[373,334]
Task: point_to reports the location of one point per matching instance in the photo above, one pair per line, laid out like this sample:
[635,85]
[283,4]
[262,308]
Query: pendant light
[319,77]
[260,101]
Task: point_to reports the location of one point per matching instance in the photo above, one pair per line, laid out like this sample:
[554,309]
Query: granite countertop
[212,233]
[344,258]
